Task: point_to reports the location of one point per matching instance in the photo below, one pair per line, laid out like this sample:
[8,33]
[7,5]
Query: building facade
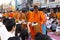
[39,1]
[48,3]
[44,3]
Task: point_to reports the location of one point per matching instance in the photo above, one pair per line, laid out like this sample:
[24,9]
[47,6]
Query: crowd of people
[29,25]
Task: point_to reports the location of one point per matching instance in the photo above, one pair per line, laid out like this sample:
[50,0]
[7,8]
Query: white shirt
[58,29]
[5,34]
[1,24]
[48,13]
[52,19]
[1,14]
[48,24]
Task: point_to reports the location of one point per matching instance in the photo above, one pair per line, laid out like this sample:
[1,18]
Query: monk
[35,17]
[16,16]
[28,15]
[23,18]
[23,15]
[52,15]
[11,15]
[5,14]
[58,14]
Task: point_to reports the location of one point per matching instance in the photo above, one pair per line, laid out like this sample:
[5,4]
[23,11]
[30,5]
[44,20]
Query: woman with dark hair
[24,34]
[13,38]
[18,30]
[40,36]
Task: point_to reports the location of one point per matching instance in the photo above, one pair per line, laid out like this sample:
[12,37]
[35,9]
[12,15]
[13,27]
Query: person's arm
[57,31]
[28,27]
[30,20]
[42,18]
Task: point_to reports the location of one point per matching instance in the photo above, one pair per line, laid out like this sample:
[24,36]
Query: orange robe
[52,15]
[16,16]
[28,15]
[11,15]
[36,17]
[58,15]
[23,17]
[5,15]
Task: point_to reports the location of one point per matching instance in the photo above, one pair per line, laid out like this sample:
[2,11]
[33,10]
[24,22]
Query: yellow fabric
[58,15]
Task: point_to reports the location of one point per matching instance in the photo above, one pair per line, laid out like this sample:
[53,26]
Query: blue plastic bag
[44,29]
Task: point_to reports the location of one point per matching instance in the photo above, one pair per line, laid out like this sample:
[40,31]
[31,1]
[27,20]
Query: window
[51,0]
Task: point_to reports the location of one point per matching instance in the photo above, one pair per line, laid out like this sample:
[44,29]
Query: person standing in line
[10,28]
[38,18]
